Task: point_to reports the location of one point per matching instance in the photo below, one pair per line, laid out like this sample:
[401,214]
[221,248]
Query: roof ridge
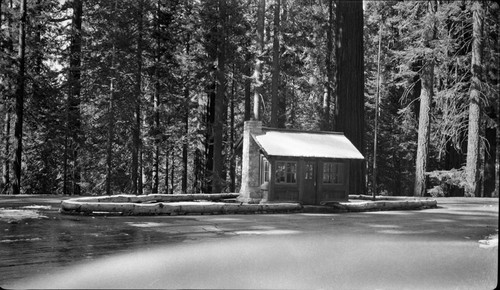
[267,129]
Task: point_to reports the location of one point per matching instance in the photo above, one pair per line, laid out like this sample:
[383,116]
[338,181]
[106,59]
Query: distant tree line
[137,97]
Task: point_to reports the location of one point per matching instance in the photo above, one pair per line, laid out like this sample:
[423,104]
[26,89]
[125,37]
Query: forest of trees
[150,96]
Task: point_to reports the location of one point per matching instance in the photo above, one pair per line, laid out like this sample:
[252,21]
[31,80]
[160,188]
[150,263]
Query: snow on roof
[307,144]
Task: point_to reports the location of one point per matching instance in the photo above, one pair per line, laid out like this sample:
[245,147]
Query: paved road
[434,249]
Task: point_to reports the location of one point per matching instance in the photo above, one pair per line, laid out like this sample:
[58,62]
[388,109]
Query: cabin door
[310,182]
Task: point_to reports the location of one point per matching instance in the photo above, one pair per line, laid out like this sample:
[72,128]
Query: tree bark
[350,84]
[275,94]
[137,110]
[9,48]
[6,140]
[375,130]
[475,110]
[185,143]
[327,97]
[261,10]
[232,160]
[111,124]
[172,172]
[426,95]
[156,109]
[19,109]
[73,114]
[220,103]
[209,139]
[187,102]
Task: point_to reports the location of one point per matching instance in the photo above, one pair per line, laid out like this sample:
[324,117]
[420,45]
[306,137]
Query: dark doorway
[310,182]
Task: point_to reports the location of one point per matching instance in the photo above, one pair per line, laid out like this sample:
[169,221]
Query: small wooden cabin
[292,165]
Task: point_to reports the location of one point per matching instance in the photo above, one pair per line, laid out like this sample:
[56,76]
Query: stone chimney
[250,177]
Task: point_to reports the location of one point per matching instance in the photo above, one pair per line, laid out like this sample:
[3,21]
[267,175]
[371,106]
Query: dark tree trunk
[232,160]
[167,170]
[156,109]
[172,172]
[473,142]
[185,143]
[73,114]
[187,102]
[325,123]
[209,140]
[350,88]
[20,92]
[261,10]
[489,161]
[275,95]
[375,129]
[5,165]
[9,48]
[220,105]
[198,171]
[136,130]
[111,124]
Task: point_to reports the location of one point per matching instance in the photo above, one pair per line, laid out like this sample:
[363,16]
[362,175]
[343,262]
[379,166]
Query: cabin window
[309,171]
[333,172]
[264,170]
[286,172]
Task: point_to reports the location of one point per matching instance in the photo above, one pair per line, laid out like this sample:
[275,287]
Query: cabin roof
[292,143]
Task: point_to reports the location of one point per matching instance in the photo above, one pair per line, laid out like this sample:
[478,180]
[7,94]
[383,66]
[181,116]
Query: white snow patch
[267,232]
[307,144]
[490,242]
[18,214]
[20,240]
[36,207]
[146,224]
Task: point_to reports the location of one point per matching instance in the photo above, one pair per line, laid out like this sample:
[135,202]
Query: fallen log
[381,197]
[172,208]
[157,197]
[383,205]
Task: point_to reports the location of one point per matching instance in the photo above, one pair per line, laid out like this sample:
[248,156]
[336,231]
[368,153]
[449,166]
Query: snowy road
[452,247]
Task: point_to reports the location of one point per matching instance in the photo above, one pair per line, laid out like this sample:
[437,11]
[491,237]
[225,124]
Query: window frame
[265,170]
[333,173]
[308,170]
[284,173]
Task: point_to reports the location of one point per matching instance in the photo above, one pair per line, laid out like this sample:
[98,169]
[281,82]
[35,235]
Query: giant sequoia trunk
[473,141]
[350,84]
[73,109]
[20,92]
[220,105]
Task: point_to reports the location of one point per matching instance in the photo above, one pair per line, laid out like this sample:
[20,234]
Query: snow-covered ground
[489,242]
[16,215]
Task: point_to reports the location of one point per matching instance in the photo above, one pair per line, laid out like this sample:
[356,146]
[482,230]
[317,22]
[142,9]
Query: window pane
[280,172]
[266,171]
[291,171]
[326,172]
[309,171]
